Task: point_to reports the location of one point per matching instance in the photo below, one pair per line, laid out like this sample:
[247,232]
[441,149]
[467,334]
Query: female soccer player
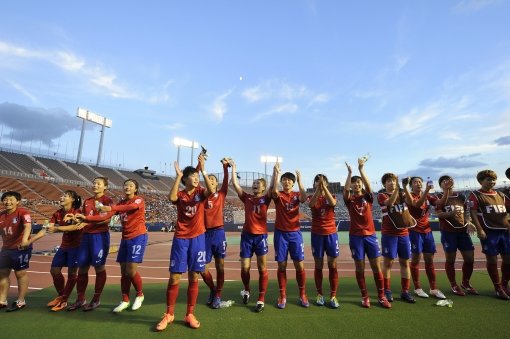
[324,237]
[67,254]
[254,235]
[131,210]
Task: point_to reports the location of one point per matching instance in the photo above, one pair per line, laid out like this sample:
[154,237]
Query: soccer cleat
[78,304]
[421,293]
[121,307]
[216,303]
[333,302]
[55,301]
[16,306]
[91,306]
[437,293]
[246,296]
[468,289]
[407,297]
[365,302]
[303,301]
[384,302]
[210,299]
[282,302]
[500,292]
[457,291]
[389,295]
[59,307]
[192,321]
[137,303]
[165,320]
[259,307]
[320,300]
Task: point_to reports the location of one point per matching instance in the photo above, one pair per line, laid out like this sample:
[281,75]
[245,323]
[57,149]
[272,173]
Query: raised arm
[347,186]
[393,197]
[172,196]
[364,178]
[208,187]
[224,184]
[316,194]
[302,192]
[327,193]
[276,180]
[236,185]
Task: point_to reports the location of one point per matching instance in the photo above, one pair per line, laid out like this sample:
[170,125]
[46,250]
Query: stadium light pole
[97,119]
[269,158]
[180,142]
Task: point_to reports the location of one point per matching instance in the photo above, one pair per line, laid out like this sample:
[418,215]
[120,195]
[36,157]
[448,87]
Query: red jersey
[216,203]
[190,213]
[12,227]
[132,217]
[421,214]
[255,213]
[287,211]
[360,214]
[455,202]
[323,216]
[70,239]
[89,209]
[393,218]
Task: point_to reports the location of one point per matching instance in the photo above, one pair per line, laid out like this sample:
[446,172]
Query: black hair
[412,179]
[355,178]
[289,176]
[188,170]
[443,178]
[325,178]
[11,194]
[134,182]
[105,180]
[76,199]
[507,172]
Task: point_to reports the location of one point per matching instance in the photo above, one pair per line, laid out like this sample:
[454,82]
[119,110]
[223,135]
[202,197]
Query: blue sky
[424,86]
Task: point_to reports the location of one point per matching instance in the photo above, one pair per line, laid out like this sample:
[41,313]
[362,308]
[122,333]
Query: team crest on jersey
[15,220]
[262,201]
[197,198]
[215,195]
[138,201]
[295,198]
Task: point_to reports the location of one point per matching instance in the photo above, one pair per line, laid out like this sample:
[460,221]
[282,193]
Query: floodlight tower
[97,119]
[185,143]
[269,158]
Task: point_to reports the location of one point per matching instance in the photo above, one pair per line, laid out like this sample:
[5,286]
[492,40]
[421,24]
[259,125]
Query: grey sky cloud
[37,124]
[458,162]
[503,140]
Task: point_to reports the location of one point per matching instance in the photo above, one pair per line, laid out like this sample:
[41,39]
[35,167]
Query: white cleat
[122,306]
[138,303]
[421,293]
[437,293]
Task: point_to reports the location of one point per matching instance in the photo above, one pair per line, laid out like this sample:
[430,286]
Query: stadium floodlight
[180,142]
[271,159]
[86,115]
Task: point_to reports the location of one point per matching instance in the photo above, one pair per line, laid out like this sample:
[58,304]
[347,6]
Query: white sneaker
[122,306]
[246,296]
[421,293]
[437,293]
[138,303]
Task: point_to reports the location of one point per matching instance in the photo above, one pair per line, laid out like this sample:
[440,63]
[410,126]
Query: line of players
[199,237]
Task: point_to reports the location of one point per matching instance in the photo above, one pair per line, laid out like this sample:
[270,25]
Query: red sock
[467,271]
[245,277]
[136,280]
[125,286]
[505,274]
[387,284]
[192,296]
[100,282]
[333,281]
[360,278]
[263,279]
[405,283]
[172,291]
[71,281]
[81,285]
[431,275]
[220,280]
[282,283]
[492,269]
[415,274]
[59,282]
[317,275]
[301,281]
[449,267]
[208,279]
[379,283]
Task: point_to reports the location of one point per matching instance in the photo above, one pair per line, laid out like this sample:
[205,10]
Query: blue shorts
[325,243]
[396,245]
[453,241]
[66,257]
[15,259]
[364,244]
[188,255]
[497,242]
[132,250]
[215,244]
[94,248]
[289,243]
[253,243]
[422,242]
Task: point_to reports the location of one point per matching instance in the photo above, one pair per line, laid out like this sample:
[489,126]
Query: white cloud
[415,122]
[280,90]
[400,62]
[219,106]
[174,126]
[474,5]
[23,91]
[289,108]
